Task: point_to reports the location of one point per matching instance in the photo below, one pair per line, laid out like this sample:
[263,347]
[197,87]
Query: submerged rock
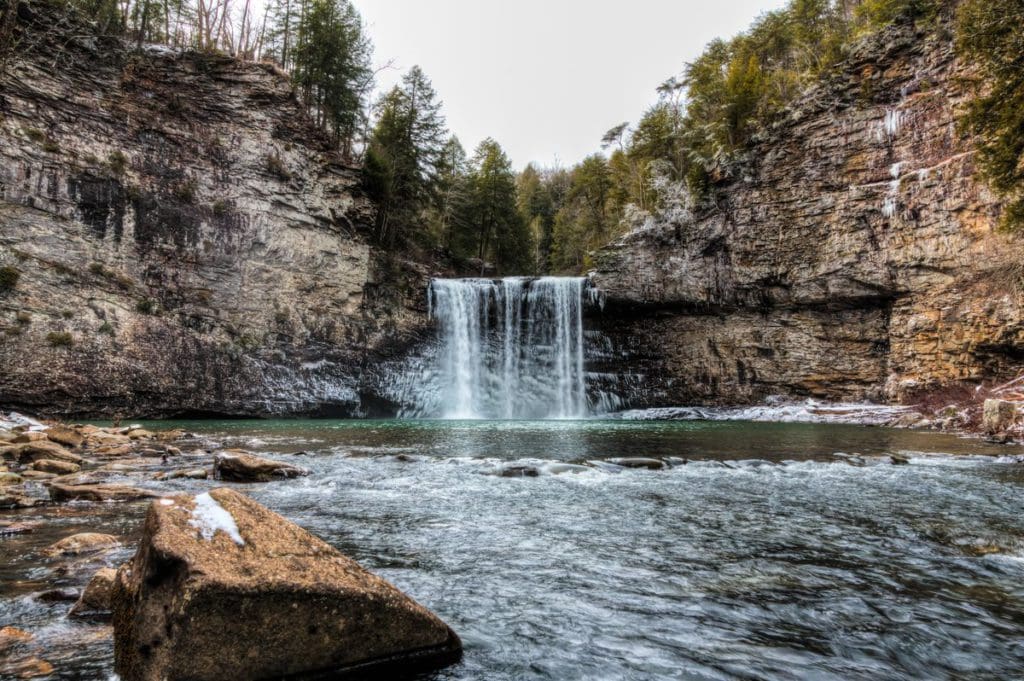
[12,636]
[234,465]
[27,668]
[223,589]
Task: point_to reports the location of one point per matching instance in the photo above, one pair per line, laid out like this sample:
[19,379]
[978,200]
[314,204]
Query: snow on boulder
[223,589]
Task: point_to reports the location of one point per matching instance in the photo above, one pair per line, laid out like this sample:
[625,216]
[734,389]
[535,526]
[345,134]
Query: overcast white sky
[547,78]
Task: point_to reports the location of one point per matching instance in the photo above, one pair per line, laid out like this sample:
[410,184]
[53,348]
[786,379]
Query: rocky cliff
[176,237]
[855,255]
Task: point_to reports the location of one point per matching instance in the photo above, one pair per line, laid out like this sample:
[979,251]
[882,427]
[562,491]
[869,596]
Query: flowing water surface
[761,551]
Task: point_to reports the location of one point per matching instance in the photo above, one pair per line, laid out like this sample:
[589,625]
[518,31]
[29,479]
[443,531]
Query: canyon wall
[177,238]
[856,255]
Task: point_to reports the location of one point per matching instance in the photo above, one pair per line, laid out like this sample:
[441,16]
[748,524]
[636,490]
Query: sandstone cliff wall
[855,257]
[185,240]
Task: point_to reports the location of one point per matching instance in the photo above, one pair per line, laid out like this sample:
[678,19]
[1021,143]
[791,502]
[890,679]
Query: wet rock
[6,435]
[911,419]
[13,500]
[170,435]
[63,435]
[111,451]
[30,436]
[10,479]
[899,460]
[37,475]
[42,449]
[65,595]
[234,465]
[998,416]
[100,492]
[84,542]
[140,434]
[55,467]
[103,438]
[95,600]
[638,462]
[223,589]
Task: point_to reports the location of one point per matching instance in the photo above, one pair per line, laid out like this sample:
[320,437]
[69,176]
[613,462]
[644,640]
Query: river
[758,550]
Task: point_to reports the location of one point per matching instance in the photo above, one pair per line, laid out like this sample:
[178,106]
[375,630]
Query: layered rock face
[183,239]
[855,257]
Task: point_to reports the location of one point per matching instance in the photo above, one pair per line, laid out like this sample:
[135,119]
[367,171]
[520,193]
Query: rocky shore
[219,587]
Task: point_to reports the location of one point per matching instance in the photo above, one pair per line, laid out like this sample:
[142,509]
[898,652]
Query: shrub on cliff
[989,34]
[8,279]
[60,339]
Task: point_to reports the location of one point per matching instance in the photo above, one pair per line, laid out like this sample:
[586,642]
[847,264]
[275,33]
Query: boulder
[65,436]
[223,589]
[10,479]
[59,492]
[85,542]
[95,600]
[55,467]
[140,434]
[170,435]
[234,465]
[998,416]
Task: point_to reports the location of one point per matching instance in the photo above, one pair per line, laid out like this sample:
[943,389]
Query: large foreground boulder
[223,589]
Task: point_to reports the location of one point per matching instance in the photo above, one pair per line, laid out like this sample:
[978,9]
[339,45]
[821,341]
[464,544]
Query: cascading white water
[509,349]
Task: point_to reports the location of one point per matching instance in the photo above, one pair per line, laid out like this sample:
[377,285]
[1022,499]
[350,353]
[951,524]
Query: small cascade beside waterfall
[507,349]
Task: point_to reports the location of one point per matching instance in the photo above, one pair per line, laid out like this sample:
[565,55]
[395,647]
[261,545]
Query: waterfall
[508,349]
